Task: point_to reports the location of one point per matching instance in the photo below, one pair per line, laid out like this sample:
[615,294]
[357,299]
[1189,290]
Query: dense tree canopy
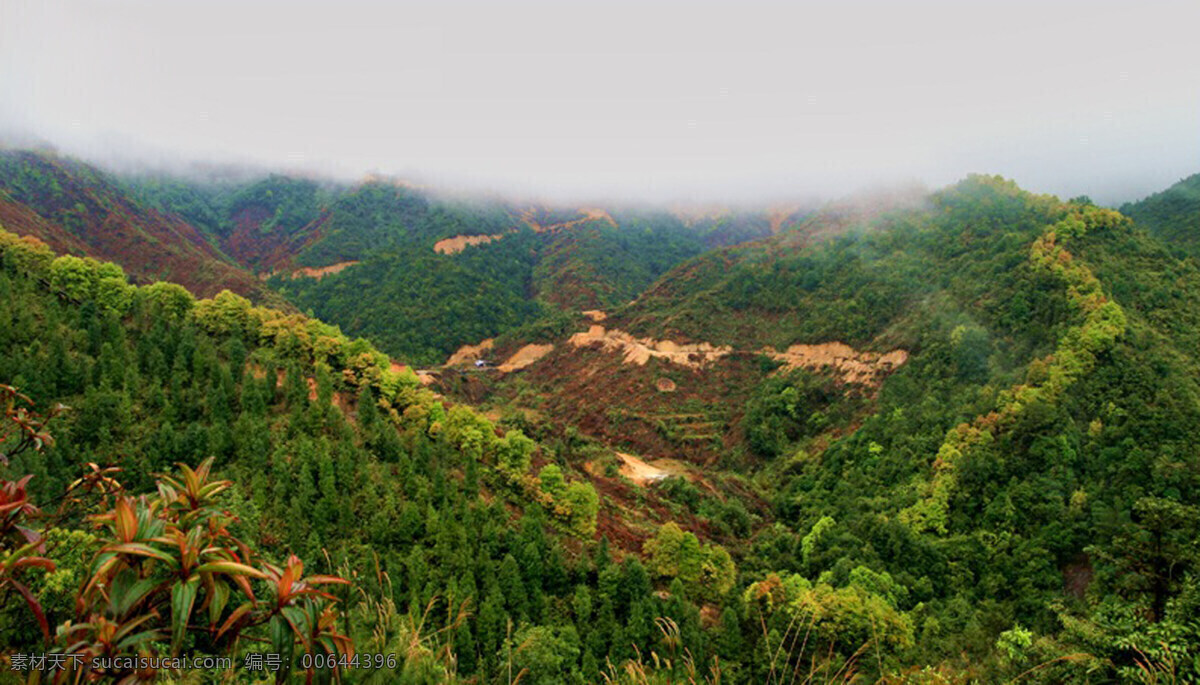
[1018,500]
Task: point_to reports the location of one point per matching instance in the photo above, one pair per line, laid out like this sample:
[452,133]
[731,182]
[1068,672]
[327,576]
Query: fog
[640,101]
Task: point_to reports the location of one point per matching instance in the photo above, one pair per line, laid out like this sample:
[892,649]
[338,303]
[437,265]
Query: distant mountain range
[494,266]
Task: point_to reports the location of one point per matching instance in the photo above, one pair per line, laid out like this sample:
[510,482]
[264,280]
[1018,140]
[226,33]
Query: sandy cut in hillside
[644,473]
[461,242]
[641,350]
[529,354]
[639,471]
[863,368]
[314,272]
[467,354]
[589,214]
[524,357]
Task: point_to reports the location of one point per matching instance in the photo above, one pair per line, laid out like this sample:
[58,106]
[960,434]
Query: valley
[926,424]
[655,343]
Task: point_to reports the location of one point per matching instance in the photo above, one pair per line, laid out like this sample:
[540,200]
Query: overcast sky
[639,100]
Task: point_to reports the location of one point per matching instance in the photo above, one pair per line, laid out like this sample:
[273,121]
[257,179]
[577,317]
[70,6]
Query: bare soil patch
[641,350]
[524,357]
[851,366]
[639,471]
[313,272]
[589,214]
[467,354]
[461,242]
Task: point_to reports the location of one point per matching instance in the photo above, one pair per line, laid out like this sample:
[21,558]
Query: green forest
[421,306]
[625,343]
[1171,214]
[253,234]
[1023,489]
[1018,501]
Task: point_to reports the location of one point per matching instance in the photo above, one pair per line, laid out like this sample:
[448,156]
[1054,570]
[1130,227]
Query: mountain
[259,222]
[449,292]
[79,209]
[335,450]
[453,270]
[987,396]
[422,274]
[1173,214]
[913,436]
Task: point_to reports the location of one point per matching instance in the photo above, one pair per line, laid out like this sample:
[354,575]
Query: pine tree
[368,413]
[328,503]
[729,635]
[512,586]
[295,389]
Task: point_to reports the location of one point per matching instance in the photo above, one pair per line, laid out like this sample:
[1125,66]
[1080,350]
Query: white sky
[638,100]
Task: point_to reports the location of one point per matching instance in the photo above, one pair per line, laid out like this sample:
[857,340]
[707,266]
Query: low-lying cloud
[662,101]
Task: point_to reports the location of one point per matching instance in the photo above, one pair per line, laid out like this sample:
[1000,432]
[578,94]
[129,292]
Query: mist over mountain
[630,343]
[630,102]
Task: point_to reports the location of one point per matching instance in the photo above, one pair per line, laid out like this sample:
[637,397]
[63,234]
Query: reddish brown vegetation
[782,218]
[1077,576]
[621,404]
[268,251]
[89,216]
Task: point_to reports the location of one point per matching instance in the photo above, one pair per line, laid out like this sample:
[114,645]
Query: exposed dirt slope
[543,221]
[524,357]
[467,354]
[317,272]
[641,350]
[671,399]
[639,471]
[461,242]
[851,366]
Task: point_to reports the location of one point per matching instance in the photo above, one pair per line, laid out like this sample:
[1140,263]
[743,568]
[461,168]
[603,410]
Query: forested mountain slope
[1173,214]
[415,252]
[78,209]
[991,398]
[423,274]
[421,304]
[946,439]
[333,450]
